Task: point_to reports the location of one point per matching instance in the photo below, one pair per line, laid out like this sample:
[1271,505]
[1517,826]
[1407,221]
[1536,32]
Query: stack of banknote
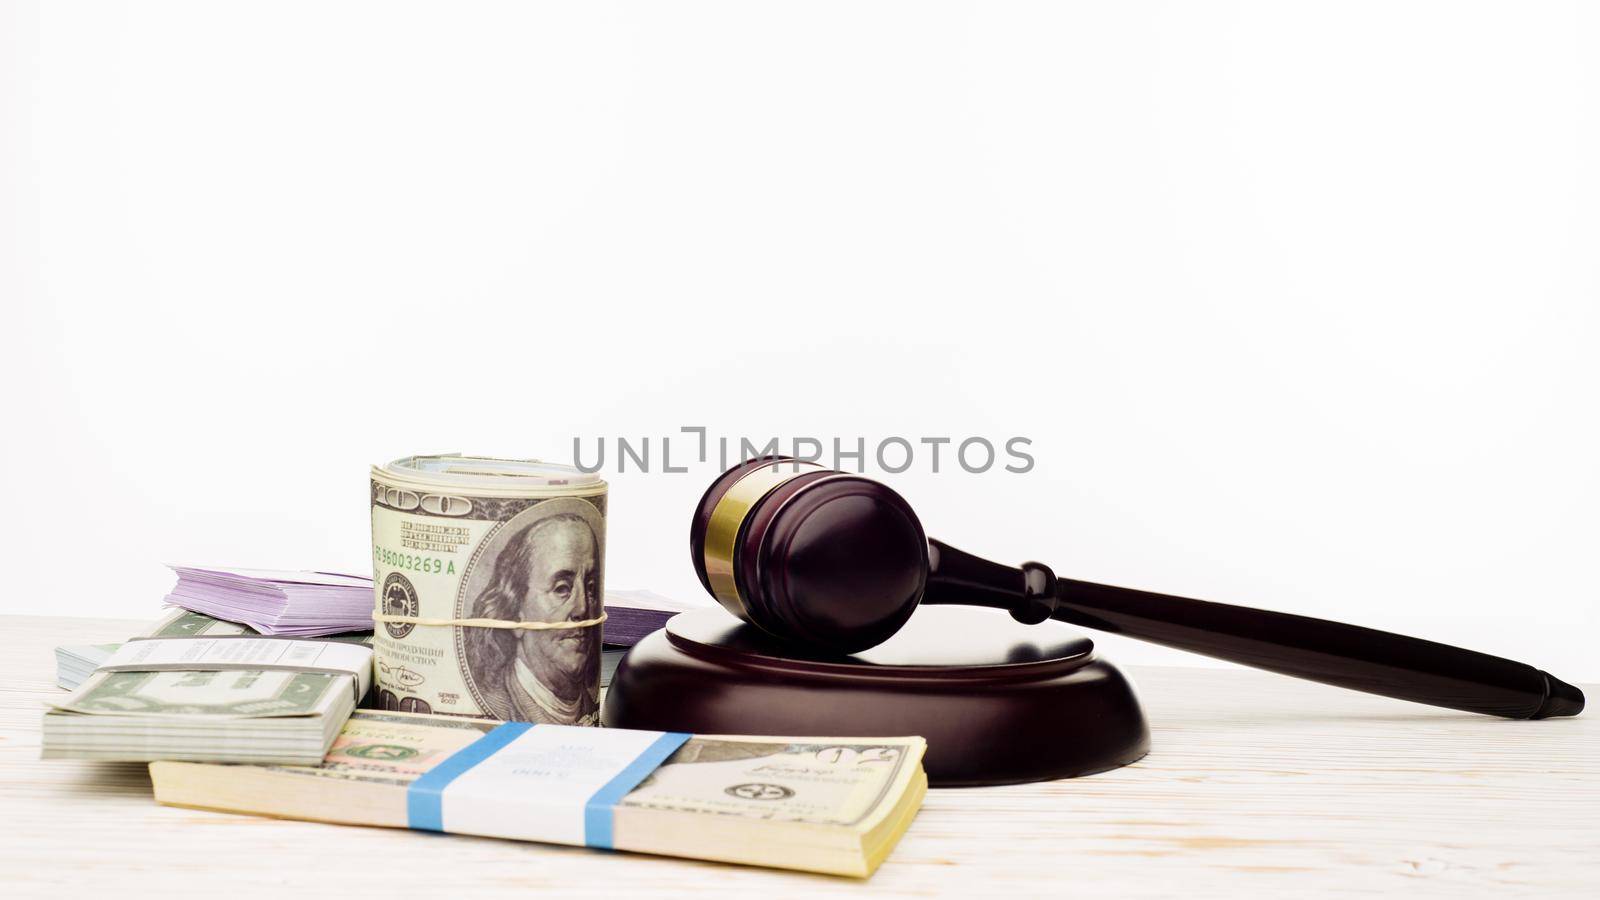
[195,687]
[311,604]
[833,805]
[630,615]
[305,604]
[222,732]
[76,662]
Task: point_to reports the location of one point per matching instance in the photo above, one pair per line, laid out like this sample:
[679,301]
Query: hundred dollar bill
[488,576]
[835,805]
[235,714]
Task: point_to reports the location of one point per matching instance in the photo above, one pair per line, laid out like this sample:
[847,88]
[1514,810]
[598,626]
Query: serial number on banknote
[432,565]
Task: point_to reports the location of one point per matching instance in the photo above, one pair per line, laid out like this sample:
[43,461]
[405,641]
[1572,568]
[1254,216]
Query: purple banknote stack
[302,604]
[630,615]
[310,604]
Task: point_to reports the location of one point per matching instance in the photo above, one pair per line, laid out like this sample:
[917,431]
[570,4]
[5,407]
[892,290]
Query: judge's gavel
[838,562]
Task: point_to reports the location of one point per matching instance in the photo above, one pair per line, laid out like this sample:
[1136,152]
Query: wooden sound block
[998,702]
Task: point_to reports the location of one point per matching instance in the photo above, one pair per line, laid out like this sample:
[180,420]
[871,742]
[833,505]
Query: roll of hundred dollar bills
[488,583]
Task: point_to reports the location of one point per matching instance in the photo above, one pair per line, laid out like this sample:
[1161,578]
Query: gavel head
[810,555]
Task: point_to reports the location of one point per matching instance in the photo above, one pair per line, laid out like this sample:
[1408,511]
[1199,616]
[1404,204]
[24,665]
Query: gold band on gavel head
[722,532]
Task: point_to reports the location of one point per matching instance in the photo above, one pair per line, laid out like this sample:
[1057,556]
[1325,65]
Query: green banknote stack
[287,711]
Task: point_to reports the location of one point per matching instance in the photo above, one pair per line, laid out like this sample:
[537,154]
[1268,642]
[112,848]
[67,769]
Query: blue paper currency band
[598,812]
[424,800]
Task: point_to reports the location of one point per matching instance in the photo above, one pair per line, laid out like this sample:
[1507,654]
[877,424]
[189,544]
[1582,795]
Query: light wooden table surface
[1256,785]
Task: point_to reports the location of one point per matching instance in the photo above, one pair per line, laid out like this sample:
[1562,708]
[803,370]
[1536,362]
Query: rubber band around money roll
[380,616]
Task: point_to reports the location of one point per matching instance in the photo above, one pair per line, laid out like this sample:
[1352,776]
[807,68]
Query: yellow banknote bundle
[833,805]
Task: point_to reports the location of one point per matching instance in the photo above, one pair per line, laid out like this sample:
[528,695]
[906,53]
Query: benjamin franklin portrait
[544,565]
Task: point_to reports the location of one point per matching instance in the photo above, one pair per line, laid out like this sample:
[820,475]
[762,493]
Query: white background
[1297,302]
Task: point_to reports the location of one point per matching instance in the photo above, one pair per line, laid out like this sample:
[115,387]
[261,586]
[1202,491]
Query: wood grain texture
[1256,785]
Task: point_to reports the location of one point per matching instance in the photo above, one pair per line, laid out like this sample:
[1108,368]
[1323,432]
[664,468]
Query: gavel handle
[1347,656]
